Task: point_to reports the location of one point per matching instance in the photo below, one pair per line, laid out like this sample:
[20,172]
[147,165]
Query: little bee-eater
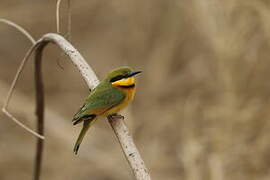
[110,96]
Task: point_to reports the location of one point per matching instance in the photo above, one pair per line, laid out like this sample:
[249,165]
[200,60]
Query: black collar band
[128,86]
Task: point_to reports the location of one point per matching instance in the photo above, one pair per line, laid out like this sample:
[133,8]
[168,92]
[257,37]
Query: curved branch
[131,153]
[130,150]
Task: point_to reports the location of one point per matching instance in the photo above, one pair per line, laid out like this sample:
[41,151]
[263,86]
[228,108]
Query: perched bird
[110,96]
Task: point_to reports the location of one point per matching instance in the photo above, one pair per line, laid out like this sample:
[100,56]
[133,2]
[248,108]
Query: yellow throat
[126,82]
[126,85]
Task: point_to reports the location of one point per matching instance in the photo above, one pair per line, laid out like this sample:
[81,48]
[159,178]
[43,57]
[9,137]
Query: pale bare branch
[131,153]
[129,148]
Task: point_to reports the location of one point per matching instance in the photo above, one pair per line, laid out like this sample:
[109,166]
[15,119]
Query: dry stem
[10,92]
[58,4]
[58,16]
[39,110]
[19,28]
[131,153]
[118,125]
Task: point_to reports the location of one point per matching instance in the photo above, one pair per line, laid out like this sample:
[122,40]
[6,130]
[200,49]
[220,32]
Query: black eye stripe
[117,78]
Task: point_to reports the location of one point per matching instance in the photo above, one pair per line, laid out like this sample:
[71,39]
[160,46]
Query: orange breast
[130,92]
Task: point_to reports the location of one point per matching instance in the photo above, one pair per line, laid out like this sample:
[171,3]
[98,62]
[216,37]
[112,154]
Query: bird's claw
[116,116]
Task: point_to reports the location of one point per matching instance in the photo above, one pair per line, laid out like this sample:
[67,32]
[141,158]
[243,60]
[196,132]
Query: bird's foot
[116,116]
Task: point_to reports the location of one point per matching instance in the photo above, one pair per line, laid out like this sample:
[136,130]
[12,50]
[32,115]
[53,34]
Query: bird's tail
[86,124]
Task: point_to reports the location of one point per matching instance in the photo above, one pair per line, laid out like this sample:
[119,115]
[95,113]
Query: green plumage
[101,99]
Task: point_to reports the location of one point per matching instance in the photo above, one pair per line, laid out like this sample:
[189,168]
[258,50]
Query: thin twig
[58,5]
[19,28]
[68,34]
[58,16]
[10,92]
[39,110]
[69,21]
[21,124]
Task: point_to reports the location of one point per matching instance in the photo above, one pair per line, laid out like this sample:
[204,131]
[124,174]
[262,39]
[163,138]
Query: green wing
[102,98]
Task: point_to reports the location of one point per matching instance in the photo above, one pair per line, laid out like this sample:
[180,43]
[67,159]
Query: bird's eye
[116,78]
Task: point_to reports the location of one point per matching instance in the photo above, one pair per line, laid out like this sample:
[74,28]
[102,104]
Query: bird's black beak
[133,74]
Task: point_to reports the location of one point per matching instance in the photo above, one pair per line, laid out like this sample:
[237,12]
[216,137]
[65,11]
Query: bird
[110,96]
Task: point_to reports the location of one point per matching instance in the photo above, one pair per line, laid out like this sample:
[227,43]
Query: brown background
[202,107]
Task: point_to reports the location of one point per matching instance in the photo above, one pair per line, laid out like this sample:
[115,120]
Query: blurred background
[201,109]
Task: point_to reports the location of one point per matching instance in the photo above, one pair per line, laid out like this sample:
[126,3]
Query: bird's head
[122,77]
